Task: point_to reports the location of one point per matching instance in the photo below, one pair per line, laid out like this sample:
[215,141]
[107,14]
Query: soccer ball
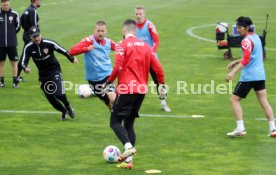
[111,153]
[85,91]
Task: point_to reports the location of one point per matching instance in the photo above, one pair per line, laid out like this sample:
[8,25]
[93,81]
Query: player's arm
[33,18]
[247,47]
[83,46]
[157,68]
[17,23]
[233,64]
[113,45]
[63,51]
[119,62]
[154,35]
[25,59]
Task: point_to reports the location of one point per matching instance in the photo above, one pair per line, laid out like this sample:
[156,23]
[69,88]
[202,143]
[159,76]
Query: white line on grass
[261,119]
[190,32]
[203,55]
[52,3]
[142,115]
[28,112]
[171,116]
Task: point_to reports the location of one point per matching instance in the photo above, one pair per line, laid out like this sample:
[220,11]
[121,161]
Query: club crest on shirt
[46,50]
[11,18]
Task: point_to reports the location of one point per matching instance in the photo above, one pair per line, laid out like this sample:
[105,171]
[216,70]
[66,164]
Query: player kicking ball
[96,50]
[252,77]
[133,61]
[42,52]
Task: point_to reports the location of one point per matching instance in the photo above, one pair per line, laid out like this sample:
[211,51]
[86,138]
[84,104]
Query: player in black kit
[42,52]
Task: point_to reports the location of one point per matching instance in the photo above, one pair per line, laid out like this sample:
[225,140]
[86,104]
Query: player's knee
[14,64]
[235,99]
[129,127]
[113,123]
[264,103]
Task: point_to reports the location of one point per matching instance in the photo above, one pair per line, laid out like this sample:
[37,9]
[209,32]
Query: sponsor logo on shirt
[130,44]
[43,58]
[99,55]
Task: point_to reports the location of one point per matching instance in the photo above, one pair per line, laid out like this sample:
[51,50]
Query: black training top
[44,58]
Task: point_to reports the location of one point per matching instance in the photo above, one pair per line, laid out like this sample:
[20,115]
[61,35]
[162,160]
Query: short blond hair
[140,7]
[100,23]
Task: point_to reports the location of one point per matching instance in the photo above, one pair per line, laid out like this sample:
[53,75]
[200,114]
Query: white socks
[128,145]
[240,125]
[163,102]
[271,125]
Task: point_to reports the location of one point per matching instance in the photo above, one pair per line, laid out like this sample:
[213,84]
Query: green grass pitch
[39,144]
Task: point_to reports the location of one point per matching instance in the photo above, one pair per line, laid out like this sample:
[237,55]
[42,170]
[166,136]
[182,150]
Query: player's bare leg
[2,73]
[238,113]
[14,74]
[262,97]
[111,96]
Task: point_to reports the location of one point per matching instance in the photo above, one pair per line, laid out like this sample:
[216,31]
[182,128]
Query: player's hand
[229,76]
[76,61]
[90,48]
[27,70]
[162,92]
[230,66]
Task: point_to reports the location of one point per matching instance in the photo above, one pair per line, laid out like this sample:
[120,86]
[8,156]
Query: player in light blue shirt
[252,77]
[96,54]
[146,31]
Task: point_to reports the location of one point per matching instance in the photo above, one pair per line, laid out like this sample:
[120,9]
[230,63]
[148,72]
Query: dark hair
[244,22]
[100,23]
[129,22]
[130,25]
[4,1]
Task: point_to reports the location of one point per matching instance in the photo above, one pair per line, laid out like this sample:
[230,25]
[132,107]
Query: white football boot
[236,133]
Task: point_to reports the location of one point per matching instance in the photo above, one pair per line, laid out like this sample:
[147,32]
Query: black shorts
[243,88]
[26,37]
[10,51]
[127,105]
[53,86]
[97,88]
